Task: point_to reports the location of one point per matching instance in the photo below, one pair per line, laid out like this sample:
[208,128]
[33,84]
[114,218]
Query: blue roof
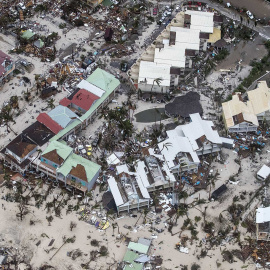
[62,115]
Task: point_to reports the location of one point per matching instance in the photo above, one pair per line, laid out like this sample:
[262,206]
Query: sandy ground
[24,236]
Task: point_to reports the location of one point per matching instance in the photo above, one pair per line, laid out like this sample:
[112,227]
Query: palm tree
[14,102]
[166,145]
[183,195]
[157,81]
[50,103]
[6,117]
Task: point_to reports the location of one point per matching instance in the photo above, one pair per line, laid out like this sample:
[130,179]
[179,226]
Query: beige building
[260,100]
[240,116]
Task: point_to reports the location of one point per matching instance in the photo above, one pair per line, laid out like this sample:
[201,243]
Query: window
[73,178]
[42,159]
[55,166]
[83,183]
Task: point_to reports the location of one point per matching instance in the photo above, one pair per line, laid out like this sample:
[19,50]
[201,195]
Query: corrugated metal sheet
[203,21]
[115,191]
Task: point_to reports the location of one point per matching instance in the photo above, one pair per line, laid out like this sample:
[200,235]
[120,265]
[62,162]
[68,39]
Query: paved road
[233,14]
[230,13]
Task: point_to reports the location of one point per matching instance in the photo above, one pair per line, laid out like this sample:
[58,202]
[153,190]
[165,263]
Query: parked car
[250,15]
[95,142]
[155,11]
[124,67]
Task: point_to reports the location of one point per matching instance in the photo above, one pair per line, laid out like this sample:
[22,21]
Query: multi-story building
[7,67]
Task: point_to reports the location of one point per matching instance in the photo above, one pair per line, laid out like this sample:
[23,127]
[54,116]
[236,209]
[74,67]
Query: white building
[149,71]
[184,145]
[263,223]
[174,53]
[129,191]
[263,173]
[202,21]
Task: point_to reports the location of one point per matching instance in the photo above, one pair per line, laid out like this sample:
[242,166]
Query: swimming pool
[151,115]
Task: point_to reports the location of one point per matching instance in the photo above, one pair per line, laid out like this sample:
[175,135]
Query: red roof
[84,99]
[3,57]
[47,121]
[65,102]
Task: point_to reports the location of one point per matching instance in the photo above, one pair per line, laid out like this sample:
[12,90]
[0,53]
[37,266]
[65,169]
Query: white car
[250,15]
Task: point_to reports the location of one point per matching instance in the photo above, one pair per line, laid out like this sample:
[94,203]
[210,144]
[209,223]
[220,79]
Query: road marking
[264,36]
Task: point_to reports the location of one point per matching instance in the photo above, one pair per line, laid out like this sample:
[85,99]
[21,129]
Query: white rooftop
[203,21]
[187,38]
[115,191]
[142,180]
[171,56]
[123,168]
[183,139]
[264,172]
[198,128]
[149,71]
[263,215]
[90,88]
[113,159]
[176,144]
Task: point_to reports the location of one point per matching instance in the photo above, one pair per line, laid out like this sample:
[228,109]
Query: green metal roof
[107,3]
[62,150]
[28,34]
[138,247]
[103,80]
[129,258]
[73,160]
[62,115]
[114,83]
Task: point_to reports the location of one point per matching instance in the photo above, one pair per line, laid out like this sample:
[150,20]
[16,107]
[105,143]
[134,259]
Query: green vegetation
[223,53]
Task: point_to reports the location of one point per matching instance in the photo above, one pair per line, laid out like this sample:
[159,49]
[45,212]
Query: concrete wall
[156,89]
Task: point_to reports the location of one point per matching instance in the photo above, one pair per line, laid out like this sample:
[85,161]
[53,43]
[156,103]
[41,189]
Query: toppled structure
[240,116]
[184,145]
[7,67]
[263,224]
[136,255]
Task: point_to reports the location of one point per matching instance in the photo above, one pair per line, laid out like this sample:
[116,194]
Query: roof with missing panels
[21,149]
[86,171]
[129,258]
[236,111]
[83,99]
[61,149]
